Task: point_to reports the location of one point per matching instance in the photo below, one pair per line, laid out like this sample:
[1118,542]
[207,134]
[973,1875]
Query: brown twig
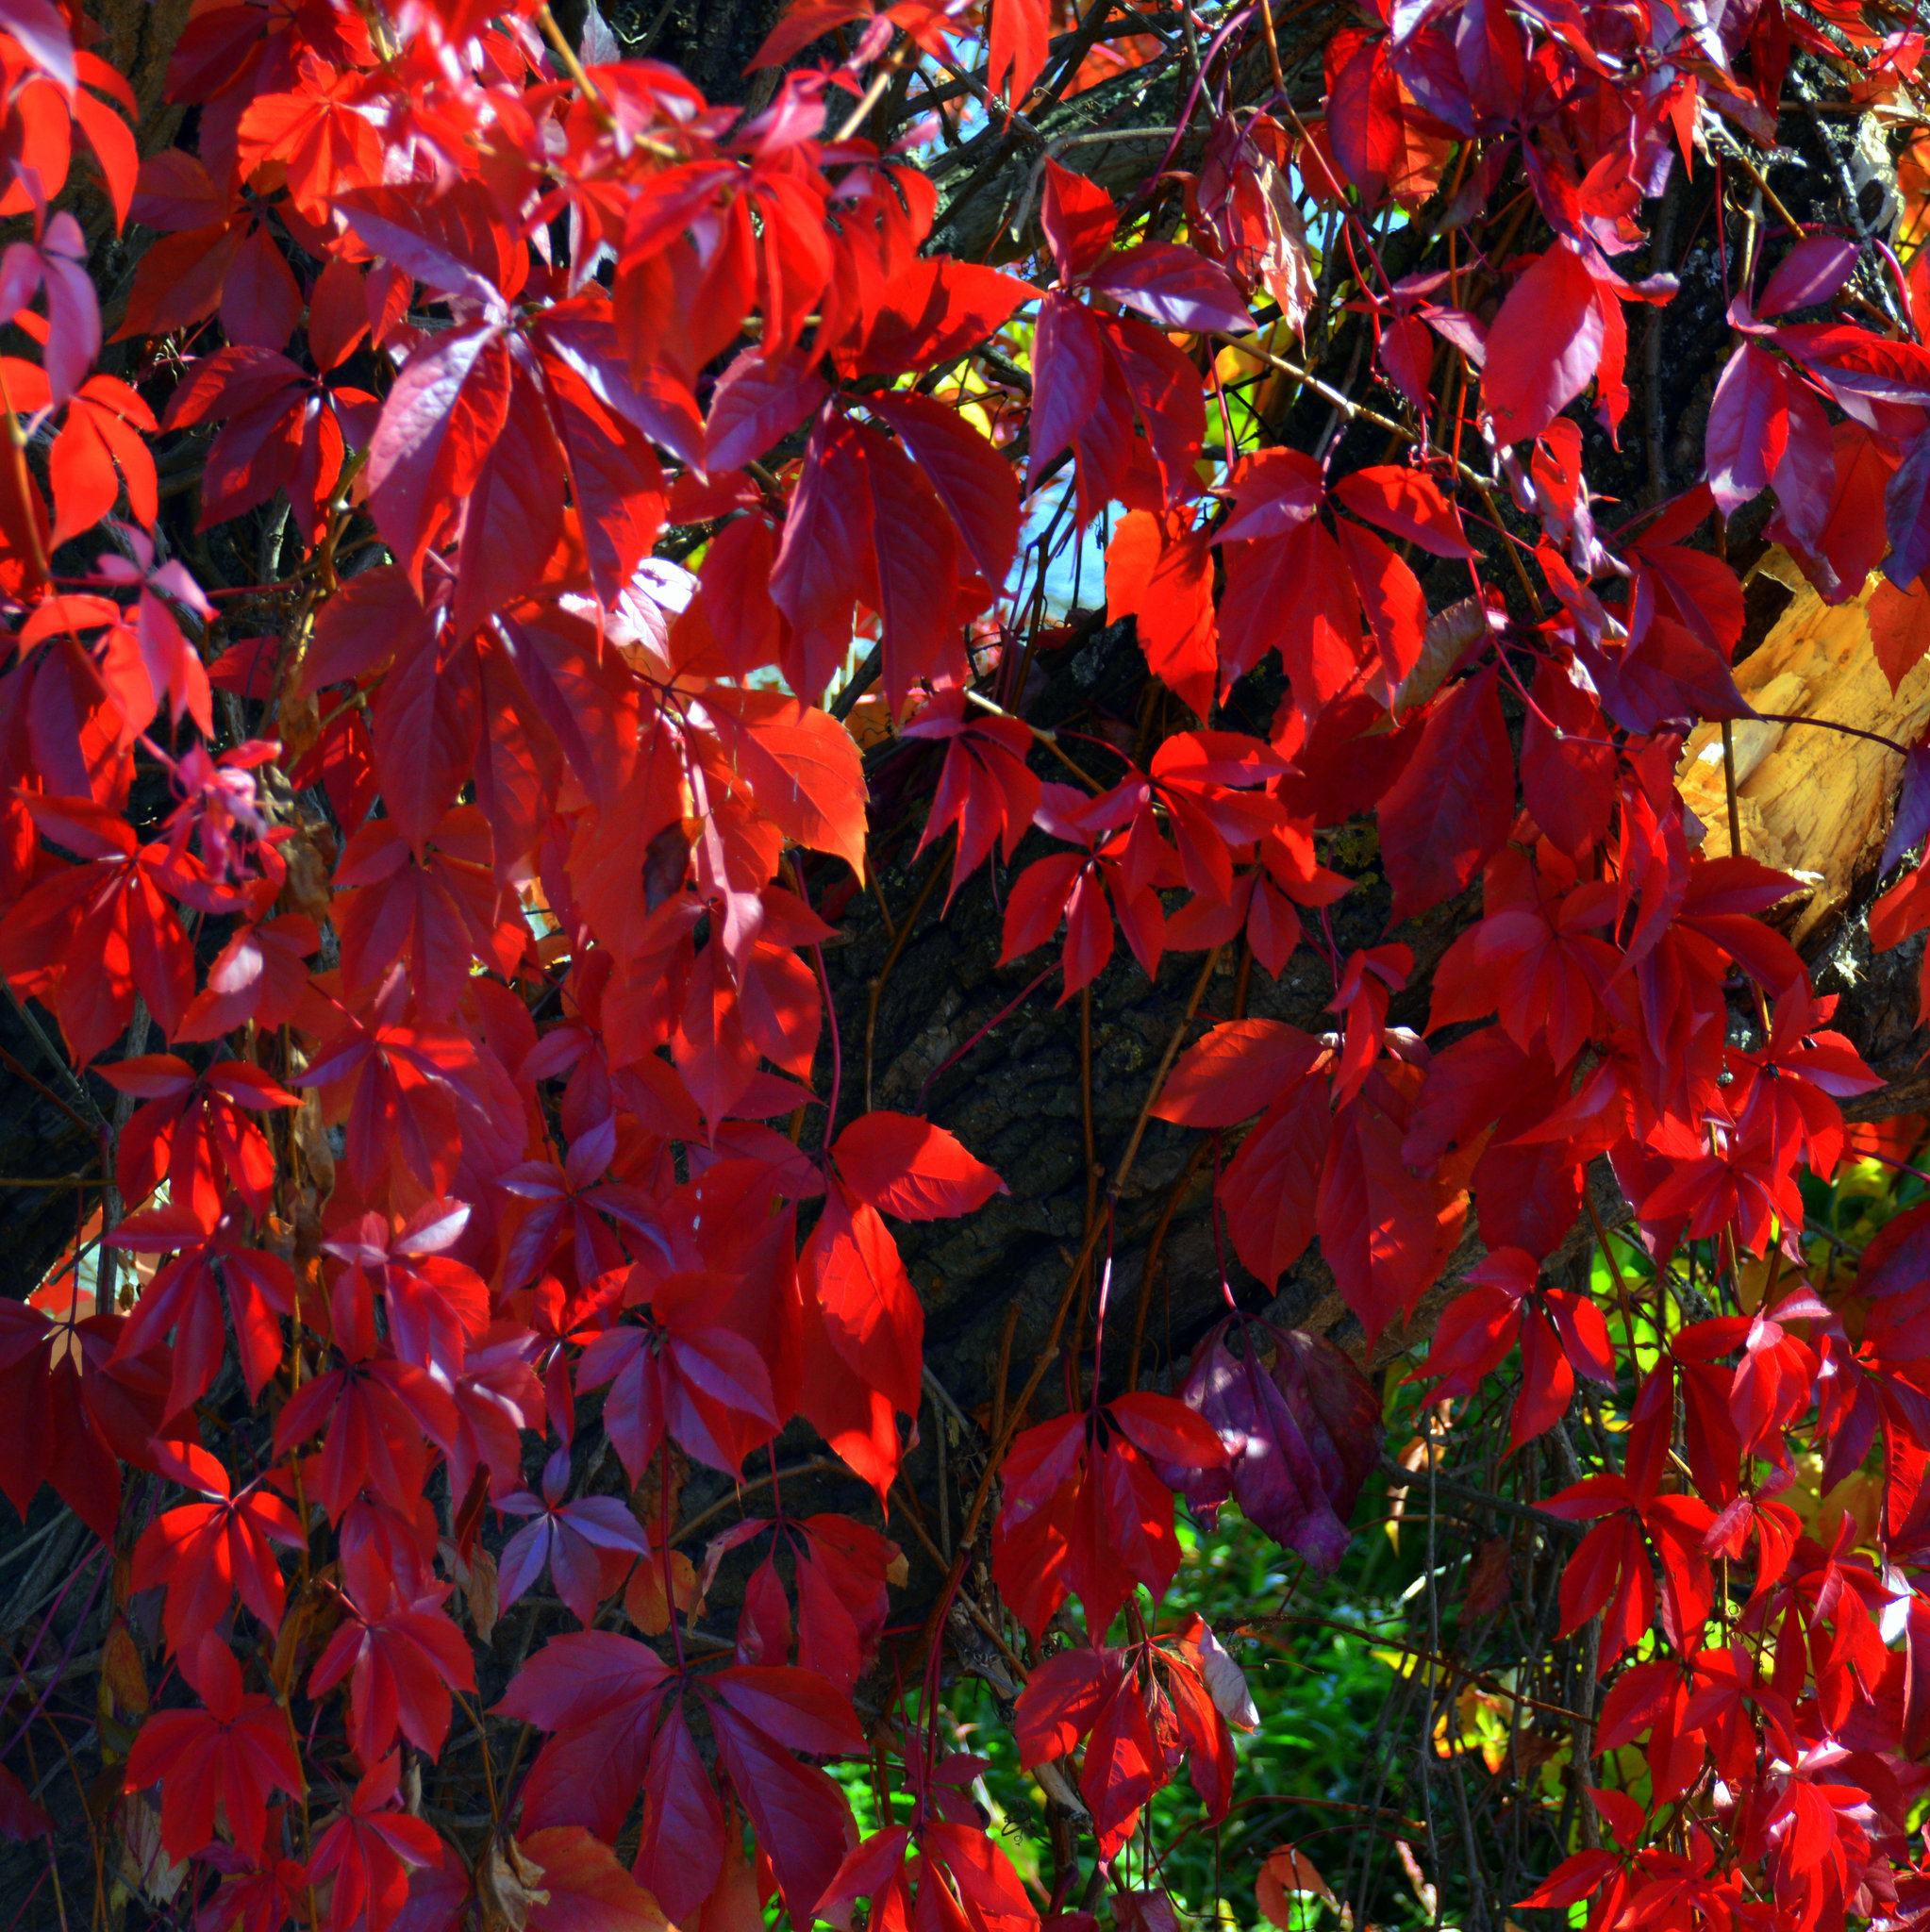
[94,1118]
[566,56]
[1480,1679]
[1093,1171]
[1729,786]
[1153,1248]
[1903,751]
[1404,1478]
[746,1485]
[968,1603]
[1005,1370]
[876,991]
[1279,79]
[1046,1354]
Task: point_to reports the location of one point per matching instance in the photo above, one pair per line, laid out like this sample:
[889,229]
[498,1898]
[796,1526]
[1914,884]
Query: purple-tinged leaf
[44,38]
[1303,1431]
[1173,286]
[758,403]
[1912,823]
[1906,515]
[1812,272]
[1748,427]
[653,401]
[430,241]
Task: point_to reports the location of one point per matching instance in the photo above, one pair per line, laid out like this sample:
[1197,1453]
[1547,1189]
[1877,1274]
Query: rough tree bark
[1015,1096]
[991,1285]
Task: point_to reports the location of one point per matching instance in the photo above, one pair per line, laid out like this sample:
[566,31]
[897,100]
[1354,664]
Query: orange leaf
[1286,1872]
[583,1888]
[1899,628]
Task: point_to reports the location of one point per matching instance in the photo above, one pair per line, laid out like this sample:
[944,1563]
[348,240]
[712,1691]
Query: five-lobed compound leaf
[1085,1513]
[206,1552]
[371,1848]
[551,975]
[222,1759]
[402,1661]
[617,1723]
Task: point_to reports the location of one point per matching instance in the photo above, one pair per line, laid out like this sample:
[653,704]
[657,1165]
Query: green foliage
[1308,1650]
[1338,1669]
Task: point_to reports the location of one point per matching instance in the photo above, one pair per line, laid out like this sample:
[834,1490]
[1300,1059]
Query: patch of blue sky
[1075,566]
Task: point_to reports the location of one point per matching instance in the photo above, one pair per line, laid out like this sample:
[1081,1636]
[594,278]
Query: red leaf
[1078,217]
[1270,1189]
[1363,113]
[203,1551]
[1451,809]
[600,1693]
[1545,346]
[822,558]
[803,1821]
[683,1844]
[755,403]
[1377,1220]
[1410,504]
[1748,427]
[974,483]
[402,1661]
[260,302]
[1037,901]
[614,478]
[1811,273]
[871,1312]
[173,191]
[1018,47]
[803,21]
[369,1849]
[1393,603]
[865,523]
[1086,1513]
[1899,628]
[589,1890]
[1295,595]
[231,1753]
[932,309]
[1093,376]
[436,911]
[986,790]
[439,422]
[1163,575]
[1568,772]
[1853,538]
[800,766]
[452,242]
[907,1168]
[1239,1067]
[1061,1702]
[20,1817]
[1122,1766]
[338,312]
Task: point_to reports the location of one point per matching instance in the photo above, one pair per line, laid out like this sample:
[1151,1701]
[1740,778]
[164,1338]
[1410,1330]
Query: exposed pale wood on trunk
[1810,801]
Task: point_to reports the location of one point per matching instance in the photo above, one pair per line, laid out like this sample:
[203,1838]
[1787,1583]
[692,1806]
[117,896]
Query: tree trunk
[922,1025]
[1014,1097]
[711,41]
